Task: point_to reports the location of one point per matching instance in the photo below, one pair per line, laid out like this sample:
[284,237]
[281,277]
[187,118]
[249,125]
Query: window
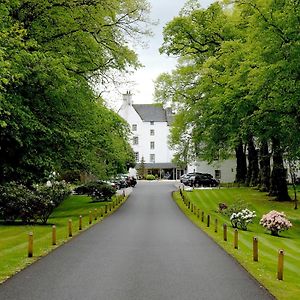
[218,174]
[137,156]
[152,132]
[152,158]
[151,122]
[152,145]
[135,140]
[134,127]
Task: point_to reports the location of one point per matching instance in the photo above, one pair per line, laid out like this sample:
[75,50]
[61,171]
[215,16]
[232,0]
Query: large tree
[238,66]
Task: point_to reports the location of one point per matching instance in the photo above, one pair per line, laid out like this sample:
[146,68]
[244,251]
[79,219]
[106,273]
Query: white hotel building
[150,127]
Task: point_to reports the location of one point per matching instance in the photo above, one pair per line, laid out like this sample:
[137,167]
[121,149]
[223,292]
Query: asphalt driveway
[146,250]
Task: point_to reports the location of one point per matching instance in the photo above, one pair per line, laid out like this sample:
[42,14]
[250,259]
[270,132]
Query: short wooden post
[109,206]
[90,217]
[202,216]
[255,249]
[280,265]
[102,212]
[96,213]
[216,225]
[189,204]
[70,227]
[124,193]
[236,239]
[80,222]
[208,220]
[198,213]
[192,207]
[53,235]
[30,244]
[225,232]
[105,209]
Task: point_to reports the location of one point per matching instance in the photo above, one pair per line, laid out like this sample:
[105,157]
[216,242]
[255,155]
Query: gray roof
[153,112]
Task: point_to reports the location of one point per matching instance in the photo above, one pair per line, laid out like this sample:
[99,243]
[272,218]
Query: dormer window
[151,122]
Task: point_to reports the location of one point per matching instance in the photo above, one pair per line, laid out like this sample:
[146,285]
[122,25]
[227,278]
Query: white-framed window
[218,174]
[151,122]
[134,127]
[152,132]
[135,140]
[137,156]
[152,158]
[152,145]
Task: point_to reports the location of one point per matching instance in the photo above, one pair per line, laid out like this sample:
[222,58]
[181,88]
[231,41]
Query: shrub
[150,177]
[98,190]
[16,202]
[19,202]
[242,218]
[275,222]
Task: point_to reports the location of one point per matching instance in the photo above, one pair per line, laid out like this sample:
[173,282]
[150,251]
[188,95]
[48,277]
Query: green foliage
[30,205]
[150,177]
[51,54]
[98,190]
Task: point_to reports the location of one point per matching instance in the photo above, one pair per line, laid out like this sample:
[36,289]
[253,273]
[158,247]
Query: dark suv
[202,179]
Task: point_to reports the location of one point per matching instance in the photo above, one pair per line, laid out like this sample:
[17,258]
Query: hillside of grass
[265,270]
[14,238]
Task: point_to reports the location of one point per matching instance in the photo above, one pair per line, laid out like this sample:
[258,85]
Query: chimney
[127,98]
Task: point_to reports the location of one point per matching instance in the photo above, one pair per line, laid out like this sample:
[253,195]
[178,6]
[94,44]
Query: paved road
[146,250]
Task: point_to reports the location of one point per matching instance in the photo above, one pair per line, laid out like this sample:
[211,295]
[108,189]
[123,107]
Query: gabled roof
[153,112]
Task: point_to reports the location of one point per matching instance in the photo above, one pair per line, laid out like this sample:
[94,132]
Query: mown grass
[265,270]
[14,238]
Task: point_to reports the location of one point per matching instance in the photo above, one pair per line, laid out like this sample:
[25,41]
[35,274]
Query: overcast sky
[154,63]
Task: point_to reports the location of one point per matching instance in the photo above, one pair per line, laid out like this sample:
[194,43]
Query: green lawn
[14,238]
[265,270]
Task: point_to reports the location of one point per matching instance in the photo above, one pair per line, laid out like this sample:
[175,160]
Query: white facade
[225,170]
[149,137]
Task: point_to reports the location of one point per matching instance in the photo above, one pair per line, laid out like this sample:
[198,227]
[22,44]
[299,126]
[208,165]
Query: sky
[154,63]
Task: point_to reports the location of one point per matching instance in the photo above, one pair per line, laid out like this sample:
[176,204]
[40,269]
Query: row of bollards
[101,213]
[196,211]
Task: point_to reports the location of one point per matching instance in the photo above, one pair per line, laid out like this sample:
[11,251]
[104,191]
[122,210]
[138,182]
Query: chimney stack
[127,98]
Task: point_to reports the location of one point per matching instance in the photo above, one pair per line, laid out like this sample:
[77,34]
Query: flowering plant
[275,222]
[242,218]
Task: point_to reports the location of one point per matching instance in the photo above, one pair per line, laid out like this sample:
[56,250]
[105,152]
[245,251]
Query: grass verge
[265,270]
[14,238]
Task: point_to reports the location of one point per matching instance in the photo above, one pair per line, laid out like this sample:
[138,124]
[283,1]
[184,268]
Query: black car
[202,179]
[185,178]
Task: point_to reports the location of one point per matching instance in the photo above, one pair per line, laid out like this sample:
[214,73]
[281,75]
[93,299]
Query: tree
[237,80]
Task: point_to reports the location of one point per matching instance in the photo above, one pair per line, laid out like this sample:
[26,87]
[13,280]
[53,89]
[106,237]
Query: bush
[275,222]
[242,218]
[150,177]
[16,202]
[98,190]
[19,202]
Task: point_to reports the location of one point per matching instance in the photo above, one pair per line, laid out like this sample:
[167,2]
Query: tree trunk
[265,169]
[241,164]
[253,169]
[278,186]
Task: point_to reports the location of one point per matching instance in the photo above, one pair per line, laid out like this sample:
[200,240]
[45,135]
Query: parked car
[185,178]
[202,179]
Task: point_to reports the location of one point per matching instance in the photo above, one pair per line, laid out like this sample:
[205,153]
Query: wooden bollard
[30,244]
[90,217]
[198,213]
[105,210]
[109,206]
[53,235]
[236,239]
[225,232]
[96,214]
[70,227]
[255,249]
[280,265]
[208,220]
[80,222]
[202,216]
[216,225]
[192,207]
[124,193]
[101,212]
